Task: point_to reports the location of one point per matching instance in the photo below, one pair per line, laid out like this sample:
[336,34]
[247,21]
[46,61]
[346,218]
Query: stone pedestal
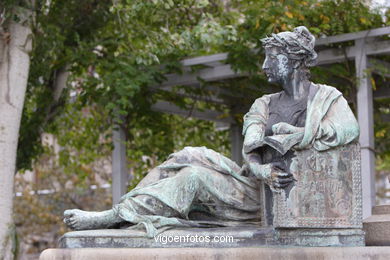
[377,227]
[324,253]
[213,237]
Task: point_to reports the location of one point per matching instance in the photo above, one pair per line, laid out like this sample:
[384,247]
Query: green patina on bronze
[285,134]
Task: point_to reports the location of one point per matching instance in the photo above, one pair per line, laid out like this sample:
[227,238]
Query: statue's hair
[298,45]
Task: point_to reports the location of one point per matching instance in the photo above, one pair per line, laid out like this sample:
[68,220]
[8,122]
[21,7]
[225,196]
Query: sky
[381,3]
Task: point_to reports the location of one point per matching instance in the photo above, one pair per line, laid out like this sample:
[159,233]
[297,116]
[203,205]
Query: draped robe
[198,187]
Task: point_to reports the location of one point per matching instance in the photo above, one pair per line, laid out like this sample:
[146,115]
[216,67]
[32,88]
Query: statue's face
[277,65]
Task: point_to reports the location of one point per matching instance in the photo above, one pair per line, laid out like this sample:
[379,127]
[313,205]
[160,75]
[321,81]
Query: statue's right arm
[271,173]
[254,124]
[274,174]
[255,121]
[253,163]
[253,130]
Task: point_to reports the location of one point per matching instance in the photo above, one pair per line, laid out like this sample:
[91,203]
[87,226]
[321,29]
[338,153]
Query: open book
[284,142]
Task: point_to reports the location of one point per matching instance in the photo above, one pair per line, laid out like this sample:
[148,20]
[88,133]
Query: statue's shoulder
[265,99]
[326,89]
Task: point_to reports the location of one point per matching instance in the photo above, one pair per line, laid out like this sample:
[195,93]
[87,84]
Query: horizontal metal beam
[209,74]
[210,98]
[319,42]
[378,47]
[209,115]
[353,36]
[224,71]
[205,59]
[334,55]
[220,71]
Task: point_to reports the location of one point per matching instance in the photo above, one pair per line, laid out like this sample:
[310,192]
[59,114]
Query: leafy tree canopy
[116,50]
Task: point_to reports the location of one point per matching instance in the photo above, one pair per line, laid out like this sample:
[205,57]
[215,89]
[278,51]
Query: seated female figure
[198,187]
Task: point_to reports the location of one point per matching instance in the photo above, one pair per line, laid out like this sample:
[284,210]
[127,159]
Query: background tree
[15,45]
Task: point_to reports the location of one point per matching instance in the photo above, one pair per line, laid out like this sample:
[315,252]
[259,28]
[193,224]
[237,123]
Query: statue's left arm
[338,127]
[329,121]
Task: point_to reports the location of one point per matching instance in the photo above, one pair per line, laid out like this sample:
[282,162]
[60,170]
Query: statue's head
[288,51]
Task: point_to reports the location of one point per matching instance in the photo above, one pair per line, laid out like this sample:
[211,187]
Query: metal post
[236,141]
[366,123]
[119,166]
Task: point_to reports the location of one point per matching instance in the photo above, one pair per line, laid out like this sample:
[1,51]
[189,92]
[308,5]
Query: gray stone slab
[381,209]
[377,228]
[213,237]
[323,253]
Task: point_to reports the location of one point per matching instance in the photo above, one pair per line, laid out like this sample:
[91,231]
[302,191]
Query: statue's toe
[73,224]
[70,218]
[69,213]
[66,213]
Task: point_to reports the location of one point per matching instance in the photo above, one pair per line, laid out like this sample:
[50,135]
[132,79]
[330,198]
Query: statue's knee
[191,175]
[188,154]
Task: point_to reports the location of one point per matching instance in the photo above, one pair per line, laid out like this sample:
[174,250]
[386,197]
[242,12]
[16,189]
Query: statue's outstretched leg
[195,181]
[80,220]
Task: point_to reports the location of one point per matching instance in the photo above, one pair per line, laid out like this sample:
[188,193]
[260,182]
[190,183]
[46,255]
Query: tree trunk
[15,45]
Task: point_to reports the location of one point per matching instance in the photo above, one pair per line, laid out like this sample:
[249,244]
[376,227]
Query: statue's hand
[279,178]
[284,128]
[274,174]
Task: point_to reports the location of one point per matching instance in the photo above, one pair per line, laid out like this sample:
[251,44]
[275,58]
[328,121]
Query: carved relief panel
[326,193]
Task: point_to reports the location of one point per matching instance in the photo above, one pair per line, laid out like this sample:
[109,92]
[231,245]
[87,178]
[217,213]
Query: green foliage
[117,52]
[64,31]
[81,136]
[113,53]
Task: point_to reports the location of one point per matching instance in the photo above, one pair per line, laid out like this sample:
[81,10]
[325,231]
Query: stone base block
[213,238]
[381,210]
[377,227]
[324,253]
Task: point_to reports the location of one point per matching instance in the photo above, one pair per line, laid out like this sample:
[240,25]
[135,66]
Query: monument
[299,185]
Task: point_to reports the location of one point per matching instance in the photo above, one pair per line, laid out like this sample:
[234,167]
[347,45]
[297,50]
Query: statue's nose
[265,64]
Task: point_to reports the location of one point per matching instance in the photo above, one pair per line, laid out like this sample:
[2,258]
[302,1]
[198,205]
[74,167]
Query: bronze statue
[198,187]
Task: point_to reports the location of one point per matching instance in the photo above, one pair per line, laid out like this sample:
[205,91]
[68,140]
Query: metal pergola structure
[367,44]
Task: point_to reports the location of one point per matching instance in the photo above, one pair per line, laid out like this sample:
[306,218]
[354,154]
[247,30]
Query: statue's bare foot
[81,220]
